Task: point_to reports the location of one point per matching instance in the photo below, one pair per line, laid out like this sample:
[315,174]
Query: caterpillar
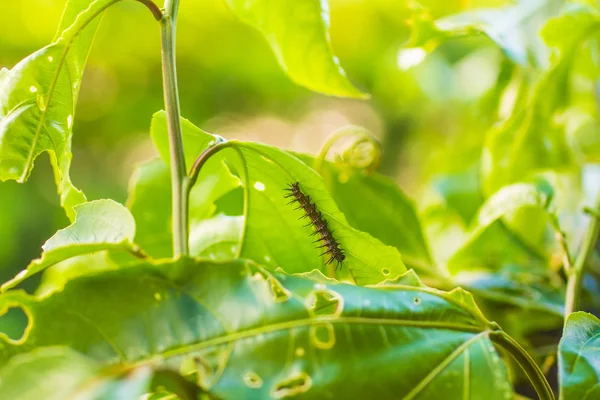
[329,243]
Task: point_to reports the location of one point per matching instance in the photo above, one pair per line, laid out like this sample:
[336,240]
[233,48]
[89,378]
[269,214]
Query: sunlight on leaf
[368,261]
[38,98]
[99,225]
[298,33]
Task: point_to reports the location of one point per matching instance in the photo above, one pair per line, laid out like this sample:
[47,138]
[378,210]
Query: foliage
[509,222]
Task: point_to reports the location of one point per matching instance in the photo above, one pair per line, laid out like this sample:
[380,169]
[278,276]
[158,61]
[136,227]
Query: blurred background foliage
[462,107]
[430,113]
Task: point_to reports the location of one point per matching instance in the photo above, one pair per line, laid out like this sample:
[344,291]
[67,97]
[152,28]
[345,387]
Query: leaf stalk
[526,362]
[577,271]
[168,24]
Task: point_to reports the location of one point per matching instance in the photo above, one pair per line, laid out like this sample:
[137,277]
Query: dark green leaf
[272,334]
[519,286]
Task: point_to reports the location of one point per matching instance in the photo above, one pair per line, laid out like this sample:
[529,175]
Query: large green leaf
[37,102]
[150,191]
[298,32]
[272,334]
[579,358]
[276,236]
[99,225]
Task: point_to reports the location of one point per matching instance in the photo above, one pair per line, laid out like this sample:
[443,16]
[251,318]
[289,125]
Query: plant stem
[201,160]
[576,273]
[531,369]
[153,8]
[178,170]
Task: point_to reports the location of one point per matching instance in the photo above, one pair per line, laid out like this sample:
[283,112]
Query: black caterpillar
[336,254]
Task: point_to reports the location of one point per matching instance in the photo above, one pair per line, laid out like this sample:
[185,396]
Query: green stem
[178,169]
[526,362]
[153,8]
[576,273]
[201,160]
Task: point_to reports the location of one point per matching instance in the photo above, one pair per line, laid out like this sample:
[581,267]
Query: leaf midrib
[63,56]
[306,322]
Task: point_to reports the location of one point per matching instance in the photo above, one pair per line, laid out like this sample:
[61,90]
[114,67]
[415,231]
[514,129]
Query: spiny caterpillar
[336,254]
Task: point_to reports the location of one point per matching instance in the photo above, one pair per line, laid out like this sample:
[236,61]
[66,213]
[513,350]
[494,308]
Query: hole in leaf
[322,336]
[300,351]
[280,293]
[253,380]
[292,386]
[385,271]
[14,323]
[205,371]
[269,285]
[325,302]
[417,300]
[259,186]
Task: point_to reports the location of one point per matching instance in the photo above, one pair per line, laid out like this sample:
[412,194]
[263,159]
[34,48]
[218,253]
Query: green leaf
[99,225]
[298,33]
[579,358]
[276,236]
[217,238]
[37,102]
[150,191]
[492,242]
[519,286]
[272,334]
[514,28]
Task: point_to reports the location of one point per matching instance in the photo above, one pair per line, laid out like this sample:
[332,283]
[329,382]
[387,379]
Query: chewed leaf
[37,102]
[34,119]
[298,32]
[99,225]
[268,211]
[174,315]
